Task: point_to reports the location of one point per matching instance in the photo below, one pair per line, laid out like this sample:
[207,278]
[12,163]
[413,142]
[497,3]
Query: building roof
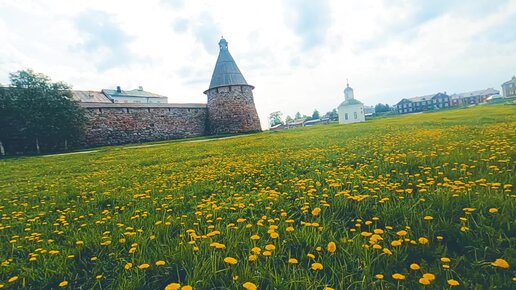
[226,71]
[512,81]
[486,92]
[350,102]
[423,98]
[90,97]
[140,93]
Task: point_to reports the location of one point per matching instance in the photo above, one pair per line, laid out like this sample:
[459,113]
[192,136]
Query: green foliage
[172,201]
[38,113]
[380,108]
[315,115]
[275,118]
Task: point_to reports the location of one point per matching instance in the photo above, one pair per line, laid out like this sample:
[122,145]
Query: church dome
[348,92]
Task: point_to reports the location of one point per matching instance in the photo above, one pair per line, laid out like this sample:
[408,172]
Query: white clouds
[297,53]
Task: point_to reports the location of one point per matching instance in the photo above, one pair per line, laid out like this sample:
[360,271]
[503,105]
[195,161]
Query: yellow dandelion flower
[249,286]
[387,251]
[143,266]
[401,233]
[429,276]
[317,266]
[255,237]
[500,263]
[267,253]
[423,240]
[13,279]
[230,260]
[398,276]
[453,282]
[445,260]
[428,218]
[63,283]
[396,243]
[379,276]
[292,261]
[187,287]
[316,211]
[414,266]
[160,263]
[493,210]
[332,247]
[424,281]
[128,266]
[252,258]
[270,247]
[173,286]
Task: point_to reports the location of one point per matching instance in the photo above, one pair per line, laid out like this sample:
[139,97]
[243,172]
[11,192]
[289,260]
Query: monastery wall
[121,123]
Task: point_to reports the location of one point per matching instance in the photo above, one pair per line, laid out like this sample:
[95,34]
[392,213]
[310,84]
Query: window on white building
[355,113]
[346,116]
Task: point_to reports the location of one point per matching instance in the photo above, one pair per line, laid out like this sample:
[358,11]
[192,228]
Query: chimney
[140,88]
[118,90]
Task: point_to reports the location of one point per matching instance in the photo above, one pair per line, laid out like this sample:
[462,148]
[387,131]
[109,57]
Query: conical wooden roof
[226,71]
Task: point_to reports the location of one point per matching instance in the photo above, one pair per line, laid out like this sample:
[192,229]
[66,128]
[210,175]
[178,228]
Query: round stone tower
[231,106]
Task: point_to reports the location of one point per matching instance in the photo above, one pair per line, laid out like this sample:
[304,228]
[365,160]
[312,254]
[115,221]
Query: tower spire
[226,71]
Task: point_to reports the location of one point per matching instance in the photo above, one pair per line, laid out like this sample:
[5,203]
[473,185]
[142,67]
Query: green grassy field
[397,202]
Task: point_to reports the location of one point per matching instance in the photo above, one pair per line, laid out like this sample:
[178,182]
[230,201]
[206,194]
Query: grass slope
[364,201]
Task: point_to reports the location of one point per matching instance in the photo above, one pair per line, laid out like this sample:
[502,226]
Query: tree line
[38,115]
[276,118]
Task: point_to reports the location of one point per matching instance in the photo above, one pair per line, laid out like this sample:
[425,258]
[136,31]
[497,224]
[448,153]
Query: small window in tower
[346,116]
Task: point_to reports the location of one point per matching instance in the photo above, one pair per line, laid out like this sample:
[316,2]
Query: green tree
[298,116]
[275,118]
[315,115]
[8,114]
[45,112]
[288,119]
[379,108]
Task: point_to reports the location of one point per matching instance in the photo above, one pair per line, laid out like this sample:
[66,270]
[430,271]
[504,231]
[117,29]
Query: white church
[351,110]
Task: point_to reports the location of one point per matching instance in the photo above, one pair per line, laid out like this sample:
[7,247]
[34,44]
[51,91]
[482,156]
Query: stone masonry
[112,124]
[231,110]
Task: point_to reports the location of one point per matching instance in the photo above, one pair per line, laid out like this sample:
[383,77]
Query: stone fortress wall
[230,110]
[122,123]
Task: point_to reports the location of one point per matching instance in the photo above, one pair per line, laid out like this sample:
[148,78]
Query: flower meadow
[422,201]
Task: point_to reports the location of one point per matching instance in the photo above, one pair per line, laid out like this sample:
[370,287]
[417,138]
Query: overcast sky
[298,54]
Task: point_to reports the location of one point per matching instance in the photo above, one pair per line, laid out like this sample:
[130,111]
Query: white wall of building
[351,114]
